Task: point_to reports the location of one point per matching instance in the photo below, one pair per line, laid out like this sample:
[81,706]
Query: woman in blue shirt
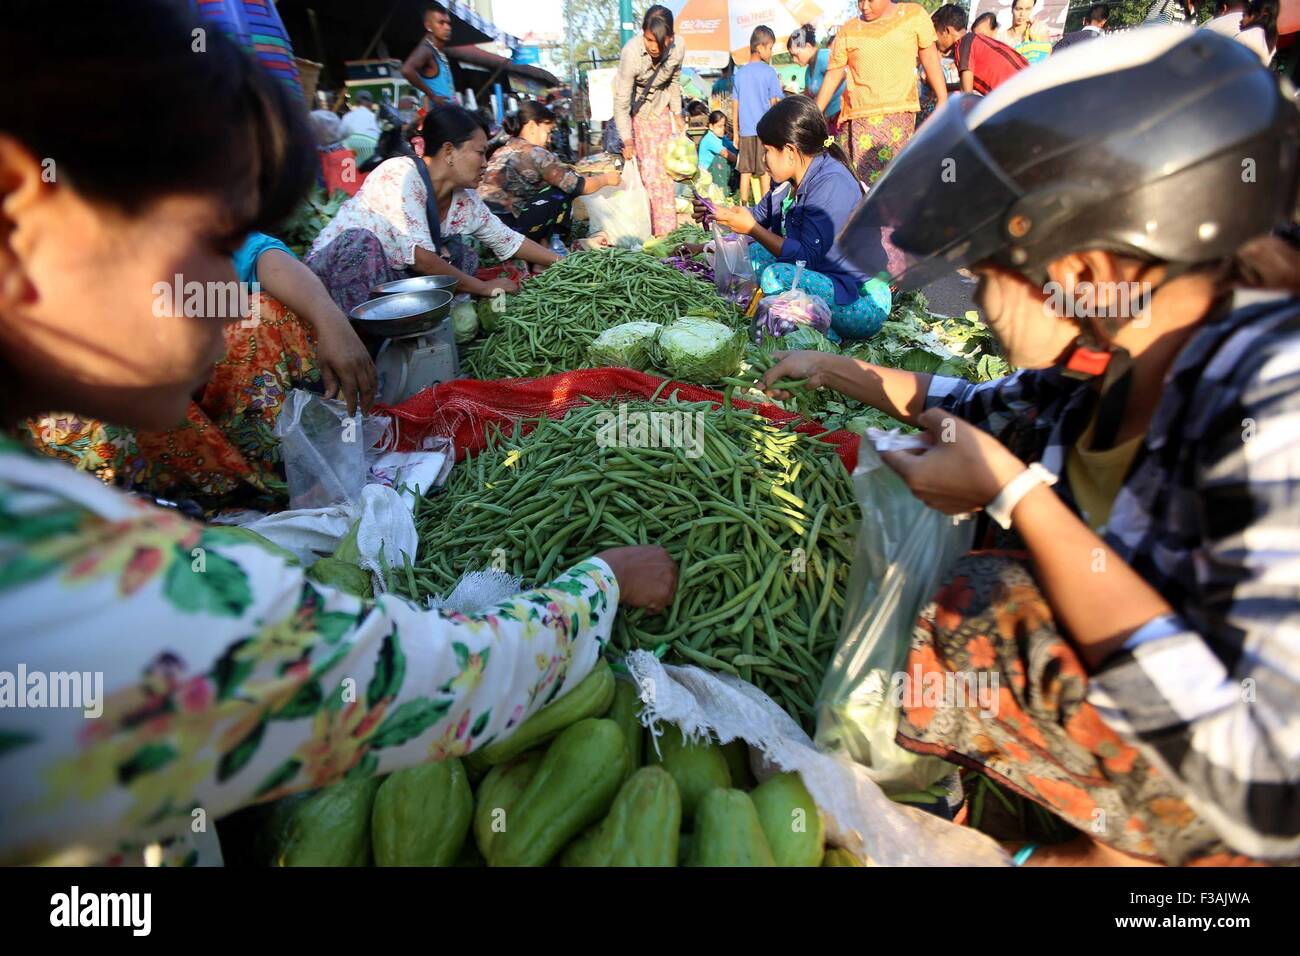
[814,193]
[804,51]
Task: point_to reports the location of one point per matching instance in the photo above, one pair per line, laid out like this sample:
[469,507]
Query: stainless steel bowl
[409,313]
[416,284]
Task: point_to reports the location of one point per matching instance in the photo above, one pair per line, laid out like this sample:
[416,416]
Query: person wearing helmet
[1139,475]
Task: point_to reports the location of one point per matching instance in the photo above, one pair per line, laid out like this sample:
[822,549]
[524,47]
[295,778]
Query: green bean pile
[548,325]
[761,523]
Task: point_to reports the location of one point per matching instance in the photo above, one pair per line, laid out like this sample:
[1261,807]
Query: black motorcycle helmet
[1159,143]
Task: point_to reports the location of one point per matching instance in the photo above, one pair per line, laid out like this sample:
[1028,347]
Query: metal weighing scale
[420,347]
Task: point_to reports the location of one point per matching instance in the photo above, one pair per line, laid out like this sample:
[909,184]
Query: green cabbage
[624,346]
[489,317]
[701,350]
[464,322]
[805,338]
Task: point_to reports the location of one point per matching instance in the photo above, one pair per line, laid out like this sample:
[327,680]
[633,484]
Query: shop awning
[491,63]
[332,31]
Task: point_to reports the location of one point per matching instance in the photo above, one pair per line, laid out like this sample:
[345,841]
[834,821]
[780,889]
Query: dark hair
[697,108]
[796,121]
[1262,14]
[990,15]
[806,35]
[1098,13]
[436,7]
[761,35]
[447,124]
[530,111]
[948,15]
[658,22]
[224,126]
[717,115]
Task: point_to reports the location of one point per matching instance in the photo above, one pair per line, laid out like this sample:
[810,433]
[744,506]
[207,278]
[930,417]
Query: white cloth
[361,120]
[1229,24]
[391,205]
[1257,40]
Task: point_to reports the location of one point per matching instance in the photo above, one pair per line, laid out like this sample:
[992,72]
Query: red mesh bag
[464,409]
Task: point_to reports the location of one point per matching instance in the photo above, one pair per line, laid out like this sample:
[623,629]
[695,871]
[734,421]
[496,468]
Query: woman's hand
[809,365]
[963,469]
[345,365]
[736,218]
[614,179]
[646,573]
[627,151]
[486,288]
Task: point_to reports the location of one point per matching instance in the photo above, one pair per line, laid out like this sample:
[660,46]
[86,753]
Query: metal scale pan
[421,346]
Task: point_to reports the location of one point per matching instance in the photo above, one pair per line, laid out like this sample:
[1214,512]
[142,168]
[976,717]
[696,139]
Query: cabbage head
[624,346]
[700,350]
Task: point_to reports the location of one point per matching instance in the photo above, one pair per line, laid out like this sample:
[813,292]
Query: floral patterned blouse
[391,204]
[227,677]
[518,171]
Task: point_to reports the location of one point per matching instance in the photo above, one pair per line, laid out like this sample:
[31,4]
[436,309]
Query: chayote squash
[641,828]
[697,768]
[837,856]
[328,827]
[790,819]
[572,789]
[421,815]
[737,754]
[591,698]
[624,711]
[727,832]
[499,792]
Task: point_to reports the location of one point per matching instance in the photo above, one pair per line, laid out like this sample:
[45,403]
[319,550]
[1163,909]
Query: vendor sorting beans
[526,186]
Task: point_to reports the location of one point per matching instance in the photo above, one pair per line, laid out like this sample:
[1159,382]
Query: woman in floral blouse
[212,674]
[526,185]
[386,231]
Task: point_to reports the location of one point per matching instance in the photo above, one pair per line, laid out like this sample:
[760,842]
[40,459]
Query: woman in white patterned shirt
[384,232]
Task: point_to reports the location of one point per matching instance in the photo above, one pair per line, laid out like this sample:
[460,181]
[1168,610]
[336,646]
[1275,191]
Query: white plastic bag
[732,273]
[621,212]
[325,449]
[859,817]
[902,550]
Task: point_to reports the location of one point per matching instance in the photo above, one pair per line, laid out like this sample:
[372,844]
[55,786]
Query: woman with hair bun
[526,185]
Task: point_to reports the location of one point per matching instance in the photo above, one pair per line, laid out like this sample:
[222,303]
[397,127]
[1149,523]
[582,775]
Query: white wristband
[1000,508]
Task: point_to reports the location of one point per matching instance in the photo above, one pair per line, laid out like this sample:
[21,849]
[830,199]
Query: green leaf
[409,720]
[332,625]
[364,769]
[229,673]
[235,759]
[221,588]
[305,703]
[279,777]
[146,760]
[24,568]
[390,669]
[919,360]
[480,723]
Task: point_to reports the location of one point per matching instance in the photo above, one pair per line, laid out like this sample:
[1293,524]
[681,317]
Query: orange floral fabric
[1041,737]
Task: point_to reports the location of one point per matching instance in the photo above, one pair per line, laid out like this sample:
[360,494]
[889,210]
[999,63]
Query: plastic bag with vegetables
[778,315]
[699,350]
[681,161]
[624,346]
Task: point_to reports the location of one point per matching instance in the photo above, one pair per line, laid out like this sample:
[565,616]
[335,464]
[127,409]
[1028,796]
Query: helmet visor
[901,233]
